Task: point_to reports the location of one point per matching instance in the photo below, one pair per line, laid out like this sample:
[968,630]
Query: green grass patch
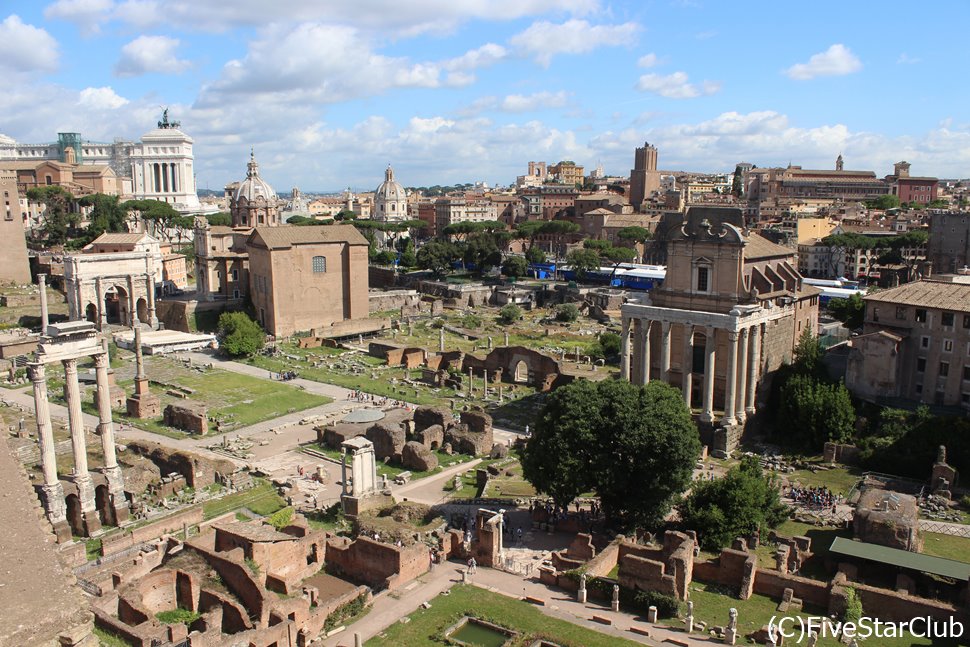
[178,617]
[837,479]
[262,499]
[92,549]
[946,546]
[109,639]
[426,625]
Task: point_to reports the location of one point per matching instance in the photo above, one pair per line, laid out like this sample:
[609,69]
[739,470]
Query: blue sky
[329,92]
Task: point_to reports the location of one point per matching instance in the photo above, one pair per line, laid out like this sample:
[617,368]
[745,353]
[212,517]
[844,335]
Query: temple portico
[83,501]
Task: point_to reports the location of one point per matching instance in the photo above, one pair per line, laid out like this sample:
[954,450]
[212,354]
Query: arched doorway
[141,307]
[520,375]
[116,306]
[75,518]
[91,313]
[102,500]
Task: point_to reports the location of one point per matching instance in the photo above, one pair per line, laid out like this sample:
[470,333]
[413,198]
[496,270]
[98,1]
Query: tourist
[472,566]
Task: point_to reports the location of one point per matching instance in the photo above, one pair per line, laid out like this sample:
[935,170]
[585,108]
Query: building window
[947,319]
[944,369]
[966,321]
[921,315]
[235,294]
[919,388]
[900,313]
[947,345]
[920,364]
[966,373]
[235,275]
[319,264]
[924,342]
[703,279]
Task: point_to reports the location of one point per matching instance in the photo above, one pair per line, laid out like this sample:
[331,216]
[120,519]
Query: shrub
[515,266]
[472,321]
[509,313]
[610,343]
[239,335]
[667,605]
[281,518]
[853,606]
[567,312]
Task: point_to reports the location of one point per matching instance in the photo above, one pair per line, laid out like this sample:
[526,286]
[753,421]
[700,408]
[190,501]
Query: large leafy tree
[745,500]
[515,266]
[437,257]
[107,214]
[582,261]
[635,446]
[240,336]
[851,311]
[60,219]
[161,219]
[818,410]
[484,250]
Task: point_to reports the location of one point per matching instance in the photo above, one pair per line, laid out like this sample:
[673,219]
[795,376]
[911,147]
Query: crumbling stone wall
[377,564]
[199,471]
[388,441]
[191,417]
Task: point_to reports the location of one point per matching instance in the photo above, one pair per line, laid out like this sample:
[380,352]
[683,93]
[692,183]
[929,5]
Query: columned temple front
[730,311]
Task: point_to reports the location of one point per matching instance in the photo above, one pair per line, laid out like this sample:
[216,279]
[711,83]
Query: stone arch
[141,308]
[75,517]
[91,313]
[116,305]
[520,372]
[102,501]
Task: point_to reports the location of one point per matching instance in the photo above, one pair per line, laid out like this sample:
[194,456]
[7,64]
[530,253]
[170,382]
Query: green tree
[634,234]
[408,257]
[60,219]
[618,256]
[240,336]
[567,312]
[528,230]
[598,244]
[583,261]
[509,313]
[385,257]
[611,343]
[558,229]
[482,251]
[535,255]
[816,411]
[808,355]
[107,214]
[851,311]
[221,219]
[884,202]
[635,446]
[345,215]
[436,256]
[737,184]
[515,266]
[745,500]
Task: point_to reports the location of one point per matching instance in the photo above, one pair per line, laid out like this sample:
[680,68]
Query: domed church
[390,199]
[252,202]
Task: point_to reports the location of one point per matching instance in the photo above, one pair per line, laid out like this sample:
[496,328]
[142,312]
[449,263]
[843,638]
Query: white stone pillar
[710,366]
[754,365]
[44,320]
[132,311]
[731,379]
[99,290]
[687,363]
[643,343]
[665,351]
[54,502]
[82,479]
[742,376]
[150,287]
[105,424]
[625,350]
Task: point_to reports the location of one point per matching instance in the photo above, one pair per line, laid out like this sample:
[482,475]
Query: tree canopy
[582,261]
[635,234]
[635,446]
[107,214]
[515,266]
[240,336]
[851,311]
[745,500]
[437,256]
[59,218]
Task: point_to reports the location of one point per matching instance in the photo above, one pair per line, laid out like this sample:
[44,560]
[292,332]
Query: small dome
[254,186]
[390,190]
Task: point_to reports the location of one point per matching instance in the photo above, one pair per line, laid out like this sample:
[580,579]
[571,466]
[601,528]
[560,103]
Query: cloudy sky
[329,92]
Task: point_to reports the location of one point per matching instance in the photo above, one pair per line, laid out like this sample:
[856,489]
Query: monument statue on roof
[165,123]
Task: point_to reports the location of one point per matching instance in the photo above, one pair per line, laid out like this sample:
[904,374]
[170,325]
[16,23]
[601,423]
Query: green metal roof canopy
[901,558]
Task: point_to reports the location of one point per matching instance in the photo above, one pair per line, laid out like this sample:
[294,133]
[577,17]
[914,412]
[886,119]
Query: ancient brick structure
[189,416]
[142,403]
[888,519]
[417,457]
[388,441]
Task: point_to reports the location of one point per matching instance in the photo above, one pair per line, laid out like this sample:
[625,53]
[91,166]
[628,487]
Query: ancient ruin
[142,403]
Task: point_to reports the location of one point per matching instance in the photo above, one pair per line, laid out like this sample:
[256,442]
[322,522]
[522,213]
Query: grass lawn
[837,479]
[521,616]
[946,546]
[261,499]
[712,604]
[108,639]
[822,538]
[444,461]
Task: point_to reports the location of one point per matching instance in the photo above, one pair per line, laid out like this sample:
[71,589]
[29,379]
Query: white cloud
[25,48]
[148,54]
[86,14]
[537,101]
[676,86]
[104,98]
[906,59]
[544,40]
[837,60]
[648,60]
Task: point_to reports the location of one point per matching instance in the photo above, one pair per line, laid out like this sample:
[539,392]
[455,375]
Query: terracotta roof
[926,294]
[119,239]
[760,247]
[289,235]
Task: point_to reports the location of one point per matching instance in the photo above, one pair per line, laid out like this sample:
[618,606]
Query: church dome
[390,189]
[254,186]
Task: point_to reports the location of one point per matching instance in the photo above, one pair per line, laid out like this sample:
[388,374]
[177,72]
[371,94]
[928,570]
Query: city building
[449,211]
[948,248]
[730,311]
[644,177]
[158,167]
[308,277]
[252,202]
[14,266]
[567,172]
[390,200]
[910,188]
[915,344]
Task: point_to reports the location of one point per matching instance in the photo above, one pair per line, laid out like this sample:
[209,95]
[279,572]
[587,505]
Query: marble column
[742,376]
[99,290]
[710,366]
[687,363]
[643,343]
[625,350]
[731,380]
[665,351]
[112,471]
[82,479]
[754,341]
[344,485]
[44,319]
[132,311]
[52,489]
[150,287]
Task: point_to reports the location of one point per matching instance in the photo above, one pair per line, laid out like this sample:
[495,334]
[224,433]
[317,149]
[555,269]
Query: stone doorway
[141,308]
[75,518]
[102,500]
[91,313]
[116,306]
[520,375]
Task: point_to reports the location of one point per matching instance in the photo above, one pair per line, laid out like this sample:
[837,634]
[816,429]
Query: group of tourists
[361,396]
[818,498]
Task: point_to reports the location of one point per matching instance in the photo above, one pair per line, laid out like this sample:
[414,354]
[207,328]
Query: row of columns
[165,177]
[54,500]
[741,376]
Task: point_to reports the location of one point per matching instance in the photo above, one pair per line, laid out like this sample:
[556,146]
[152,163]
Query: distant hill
[209,193]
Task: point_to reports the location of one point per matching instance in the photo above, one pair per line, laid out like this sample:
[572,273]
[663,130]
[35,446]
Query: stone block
[190,417]
[388,440]
[143,406]
[417,457]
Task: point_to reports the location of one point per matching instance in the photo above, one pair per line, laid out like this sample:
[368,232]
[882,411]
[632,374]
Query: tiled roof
[289,235]
[119,239]
[927,294]
[760,247]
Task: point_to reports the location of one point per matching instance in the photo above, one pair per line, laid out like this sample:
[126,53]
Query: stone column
[44,320]
[53,492]
[441,340]
[82,479]
[150,285]
[132,311]
[687,363]
[710,366]
[731,380]
[99,290]
[643,341]
[625,350]
[112,471]
[485,384]
[742,376]
[665,351]
[754,341]
[343,472]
